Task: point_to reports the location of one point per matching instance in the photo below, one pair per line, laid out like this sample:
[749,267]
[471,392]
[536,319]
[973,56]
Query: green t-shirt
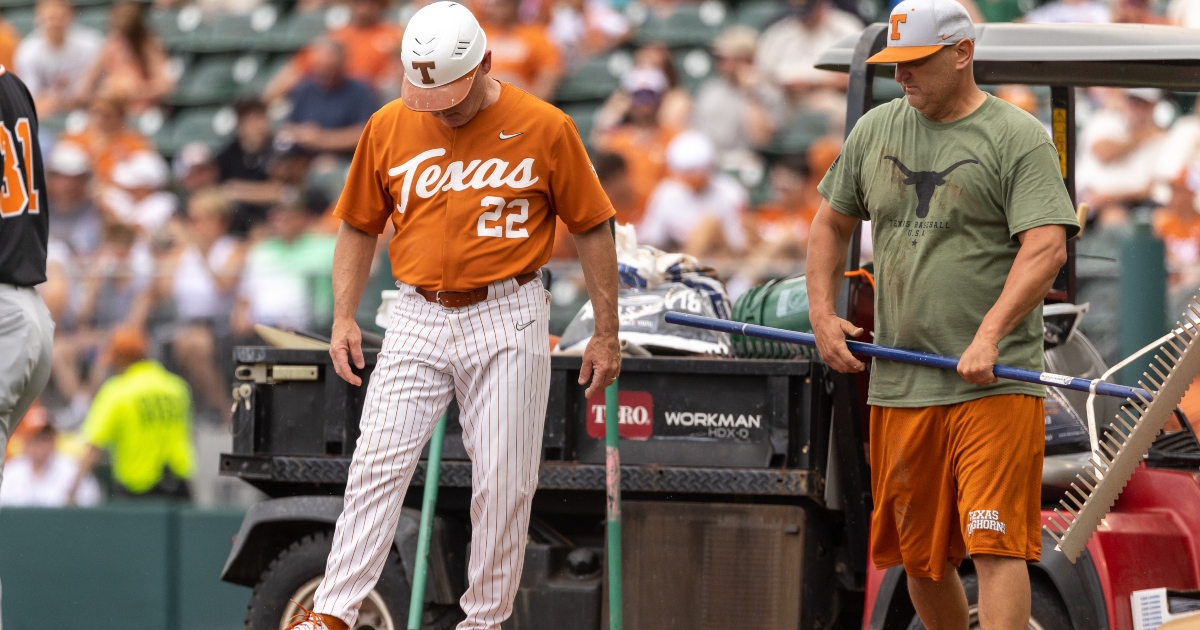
[946,202]
[143,417]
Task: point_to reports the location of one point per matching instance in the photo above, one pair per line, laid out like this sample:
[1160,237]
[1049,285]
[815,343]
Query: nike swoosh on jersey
[525,325]
[504,136]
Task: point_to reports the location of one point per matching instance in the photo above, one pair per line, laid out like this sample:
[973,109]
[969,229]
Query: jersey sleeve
[1036,195]
[575,191]
[841,186]
[365,202]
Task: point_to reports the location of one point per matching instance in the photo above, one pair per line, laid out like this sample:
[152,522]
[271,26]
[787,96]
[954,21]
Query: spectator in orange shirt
[641,139]
[779,228]
[368,41]
[10,37]
[1178,225]
[106,139]
[132,65]
[522,54]
[780,225]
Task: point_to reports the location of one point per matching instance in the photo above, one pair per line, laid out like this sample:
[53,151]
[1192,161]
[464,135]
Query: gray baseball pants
[26,336]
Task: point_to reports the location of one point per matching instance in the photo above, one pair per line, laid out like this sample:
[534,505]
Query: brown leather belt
[459,299]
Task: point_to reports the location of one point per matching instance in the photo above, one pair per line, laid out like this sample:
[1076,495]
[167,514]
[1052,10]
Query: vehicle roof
[1116,55]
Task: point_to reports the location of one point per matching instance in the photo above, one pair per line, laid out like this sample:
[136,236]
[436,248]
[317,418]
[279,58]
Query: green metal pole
[1142,287]
[433,470]
[612,410]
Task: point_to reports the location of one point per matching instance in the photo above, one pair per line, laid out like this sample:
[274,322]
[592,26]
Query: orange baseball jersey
[473,204]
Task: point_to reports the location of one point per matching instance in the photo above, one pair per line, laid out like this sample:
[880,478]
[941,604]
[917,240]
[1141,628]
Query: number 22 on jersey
[18,191]
[515,218]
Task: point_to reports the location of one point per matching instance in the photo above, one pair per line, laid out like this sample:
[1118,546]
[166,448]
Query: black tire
[302,562]
[1047,611]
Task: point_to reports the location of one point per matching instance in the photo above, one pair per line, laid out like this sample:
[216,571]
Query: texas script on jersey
[492,173]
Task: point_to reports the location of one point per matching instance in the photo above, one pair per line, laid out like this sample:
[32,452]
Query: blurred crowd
[160,264]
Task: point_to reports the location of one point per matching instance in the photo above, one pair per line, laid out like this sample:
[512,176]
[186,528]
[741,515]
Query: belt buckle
[437,297]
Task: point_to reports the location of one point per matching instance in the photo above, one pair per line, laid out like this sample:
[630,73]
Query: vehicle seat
[1058,473]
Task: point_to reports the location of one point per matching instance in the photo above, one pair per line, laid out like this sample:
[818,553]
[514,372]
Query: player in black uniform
[26,331]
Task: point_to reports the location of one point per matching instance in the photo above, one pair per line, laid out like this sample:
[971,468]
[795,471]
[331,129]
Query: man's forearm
[351,266]
[86,464]
[826,263]
[1043,252]
[598,255]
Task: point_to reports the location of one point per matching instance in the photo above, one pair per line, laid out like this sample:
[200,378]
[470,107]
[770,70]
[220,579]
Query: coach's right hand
[345,343]
[831,332]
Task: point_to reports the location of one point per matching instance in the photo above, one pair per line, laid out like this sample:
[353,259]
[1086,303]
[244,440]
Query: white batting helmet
[442,47]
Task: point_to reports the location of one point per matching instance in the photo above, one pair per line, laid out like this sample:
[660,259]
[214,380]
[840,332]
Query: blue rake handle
[907,356]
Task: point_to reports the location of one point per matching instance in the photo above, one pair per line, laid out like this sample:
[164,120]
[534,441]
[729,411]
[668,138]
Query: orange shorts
[954,479]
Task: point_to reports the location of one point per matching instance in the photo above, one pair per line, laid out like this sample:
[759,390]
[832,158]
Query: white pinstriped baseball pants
[500,376]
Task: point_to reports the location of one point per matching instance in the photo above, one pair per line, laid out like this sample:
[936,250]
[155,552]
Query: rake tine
[1080,492]
[1095,477]
[1119,447]
[1074,500]
[1135,419]
[1074,514]
[1056,538]
[1185,330]
[1162,377]
[1106,447]
[1127,426]
[1142,398]
[1117,443]
[1163,363]
[1175,346]
[1089,486]
[1153,390]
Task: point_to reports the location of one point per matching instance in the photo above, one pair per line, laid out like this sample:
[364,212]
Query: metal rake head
[1112,464]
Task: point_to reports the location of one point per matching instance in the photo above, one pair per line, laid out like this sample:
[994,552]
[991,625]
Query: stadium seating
[596,79]
[217,79]
[687,25]
[211,125]
[757,15]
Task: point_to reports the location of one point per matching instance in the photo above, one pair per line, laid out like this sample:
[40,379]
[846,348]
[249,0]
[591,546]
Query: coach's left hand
[977,362]
[601,363]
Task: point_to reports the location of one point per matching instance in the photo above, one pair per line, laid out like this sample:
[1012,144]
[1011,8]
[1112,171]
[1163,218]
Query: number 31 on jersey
[18,192]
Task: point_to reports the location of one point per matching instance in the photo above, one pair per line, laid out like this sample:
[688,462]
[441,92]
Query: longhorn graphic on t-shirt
[925,181]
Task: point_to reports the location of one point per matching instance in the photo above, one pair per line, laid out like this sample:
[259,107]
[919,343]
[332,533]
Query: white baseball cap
[690,151]
[441,50]
[920,28]
[68,158]
[144,169]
